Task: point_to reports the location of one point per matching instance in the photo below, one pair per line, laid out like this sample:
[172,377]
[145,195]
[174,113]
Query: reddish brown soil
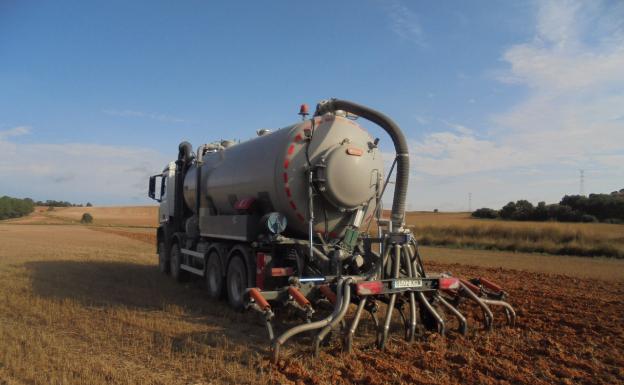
[569,331]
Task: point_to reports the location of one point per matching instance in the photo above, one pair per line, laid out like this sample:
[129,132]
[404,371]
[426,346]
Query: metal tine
[433,312]
[382,333]
[510,314]
[354,324]
[346,301]
[488,317]
[372,309]
[411,331]
[399,307]
[463,324]
[279,341]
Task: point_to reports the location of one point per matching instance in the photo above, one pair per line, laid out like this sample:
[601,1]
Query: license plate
[406,283]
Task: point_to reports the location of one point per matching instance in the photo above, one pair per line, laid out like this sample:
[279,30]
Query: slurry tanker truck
[292,219]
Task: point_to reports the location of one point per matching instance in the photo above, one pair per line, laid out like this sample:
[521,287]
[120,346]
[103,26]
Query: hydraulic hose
[400,147]
[185,155]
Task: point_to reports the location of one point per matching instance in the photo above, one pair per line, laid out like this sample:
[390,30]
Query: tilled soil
[568,331]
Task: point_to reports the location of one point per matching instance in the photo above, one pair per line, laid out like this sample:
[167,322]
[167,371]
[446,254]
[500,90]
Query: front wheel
[175,261]
[236,282]
[163,258]
[214,277]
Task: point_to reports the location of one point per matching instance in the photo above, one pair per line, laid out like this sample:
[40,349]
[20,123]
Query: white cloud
[573,112]
[77,171]
[15,131]
[452,154]
[146,115]
[404,22]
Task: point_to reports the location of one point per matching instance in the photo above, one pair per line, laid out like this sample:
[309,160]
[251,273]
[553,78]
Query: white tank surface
[271,172]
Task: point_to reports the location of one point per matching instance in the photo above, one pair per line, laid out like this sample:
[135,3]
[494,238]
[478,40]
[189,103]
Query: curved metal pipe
[382,335]
[488,317]
[354,325]
[400,147]
[509,311]
[279,341]
[412,297]
[318,253]
[346,301]
[463,324]
[433,312]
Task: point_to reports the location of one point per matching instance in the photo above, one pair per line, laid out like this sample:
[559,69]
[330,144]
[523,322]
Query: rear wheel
[236,282]
[214,276]
[163,258]
[176,260]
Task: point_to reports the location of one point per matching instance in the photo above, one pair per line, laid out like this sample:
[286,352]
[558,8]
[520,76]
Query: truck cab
[161,189]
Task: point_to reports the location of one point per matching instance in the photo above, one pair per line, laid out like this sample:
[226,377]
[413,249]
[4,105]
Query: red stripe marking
[291,149]
[285,178]
[292,204]
[301,218]
[298,138]
[288,192]
[286,163]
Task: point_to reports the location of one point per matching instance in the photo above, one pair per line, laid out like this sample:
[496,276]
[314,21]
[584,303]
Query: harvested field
[459,230]
[137,216]
[86,305]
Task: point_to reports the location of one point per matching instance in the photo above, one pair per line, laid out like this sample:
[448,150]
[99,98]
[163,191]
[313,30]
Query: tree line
[53,203]
[15,207]
[607,208]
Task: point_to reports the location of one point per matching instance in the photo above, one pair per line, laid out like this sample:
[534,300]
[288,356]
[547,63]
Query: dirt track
[569,331]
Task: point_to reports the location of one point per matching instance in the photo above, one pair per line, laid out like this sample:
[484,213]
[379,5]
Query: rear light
[369,288]
[448,283]
[282,271]
[261,260]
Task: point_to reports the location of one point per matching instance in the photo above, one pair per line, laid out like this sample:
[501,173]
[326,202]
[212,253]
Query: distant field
[139,216]
[461,231]
[454,230]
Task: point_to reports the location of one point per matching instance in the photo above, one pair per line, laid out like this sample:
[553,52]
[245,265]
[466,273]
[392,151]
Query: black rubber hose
[400,147]
[185,152]
[185,155]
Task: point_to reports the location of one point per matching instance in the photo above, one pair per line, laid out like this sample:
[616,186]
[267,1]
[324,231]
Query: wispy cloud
[571,115]
[404,22]
[570,119]
[145,115]
[76,171]
[15,131]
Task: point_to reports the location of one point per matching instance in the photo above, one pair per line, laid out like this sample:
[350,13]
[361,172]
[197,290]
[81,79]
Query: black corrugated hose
[400,147]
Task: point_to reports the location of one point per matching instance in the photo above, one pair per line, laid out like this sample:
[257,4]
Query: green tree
[86,218]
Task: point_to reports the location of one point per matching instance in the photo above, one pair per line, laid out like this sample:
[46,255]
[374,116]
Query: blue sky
[504,100]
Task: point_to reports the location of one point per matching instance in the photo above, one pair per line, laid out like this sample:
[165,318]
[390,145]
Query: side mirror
[152,188]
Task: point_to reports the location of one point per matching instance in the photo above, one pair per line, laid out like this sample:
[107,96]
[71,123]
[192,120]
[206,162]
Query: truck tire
[176,259]
[163,258]
[236,282]
[214,275]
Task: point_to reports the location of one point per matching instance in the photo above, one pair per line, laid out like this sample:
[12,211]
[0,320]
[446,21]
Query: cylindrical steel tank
[272,170]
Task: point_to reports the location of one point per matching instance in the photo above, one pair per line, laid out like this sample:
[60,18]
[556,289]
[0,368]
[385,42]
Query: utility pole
[582,183]
[469,202]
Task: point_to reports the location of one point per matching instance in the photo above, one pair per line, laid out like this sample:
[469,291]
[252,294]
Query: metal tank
[271,173]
